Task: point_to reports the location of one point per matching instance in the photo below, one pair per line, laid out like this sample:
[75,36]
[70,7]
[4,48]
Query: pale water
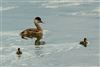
[65,24]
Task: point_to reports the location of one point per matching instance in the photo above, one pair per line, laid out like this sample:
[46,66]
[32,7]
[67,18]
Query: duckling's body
[84,43]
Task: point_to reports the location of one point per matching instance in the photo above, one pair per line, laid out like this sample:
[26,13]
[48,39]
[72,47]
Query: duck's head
[38,20]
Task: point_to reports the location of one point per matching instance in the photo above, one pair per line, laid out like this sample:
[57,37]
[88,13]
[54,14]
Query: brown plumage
[31,33]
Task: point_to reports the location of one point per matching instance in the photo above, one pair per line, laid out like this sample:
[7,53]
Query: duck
[84,42]
[34,32]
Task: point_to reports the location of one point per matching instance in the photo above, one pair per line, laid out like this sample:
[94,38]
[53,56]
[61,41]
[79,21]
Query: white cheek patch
[36,21]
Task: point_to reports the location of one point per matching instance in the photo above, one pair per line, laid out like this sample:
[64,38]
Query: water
[65,24]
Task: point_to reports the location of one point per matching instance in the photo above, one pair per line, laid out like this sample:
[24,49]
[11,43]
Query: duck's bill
[41,21]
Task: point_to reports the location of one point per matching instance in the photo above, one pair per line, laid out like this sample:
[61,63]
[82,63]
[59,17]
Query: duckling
[84,43]
[19,52]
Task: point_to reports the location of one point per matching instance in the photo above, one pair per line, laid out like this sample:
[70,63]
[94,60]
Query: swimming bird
[19,52]
[34,32]
[84,43]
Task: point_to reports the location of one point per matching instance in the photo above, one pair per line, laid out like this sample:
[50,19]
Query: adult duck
[34,32]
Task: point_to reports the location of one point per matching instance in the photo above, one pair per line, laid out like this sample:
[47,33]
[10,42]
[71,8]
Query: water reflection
[18,57]
[39,52]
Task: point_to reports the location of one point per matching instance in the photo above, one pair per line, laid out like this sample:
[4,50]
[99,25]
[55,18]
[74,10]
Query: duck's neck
[38,26]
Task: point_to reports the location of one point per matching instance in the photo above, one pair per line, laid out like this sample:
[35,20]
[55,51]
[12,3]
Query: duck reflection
[39,52]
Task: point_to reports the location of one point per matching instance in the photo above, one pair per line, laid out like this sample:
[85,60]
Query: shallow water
[65,24]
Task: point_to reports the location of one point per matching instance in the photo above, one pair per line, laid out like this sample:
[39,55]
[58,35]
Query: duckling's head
[18,49]
[85,39]
[38,20]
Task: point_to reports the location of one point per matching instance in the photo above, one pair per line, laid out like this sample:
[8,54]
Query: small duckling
[84,43]
[19,52]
